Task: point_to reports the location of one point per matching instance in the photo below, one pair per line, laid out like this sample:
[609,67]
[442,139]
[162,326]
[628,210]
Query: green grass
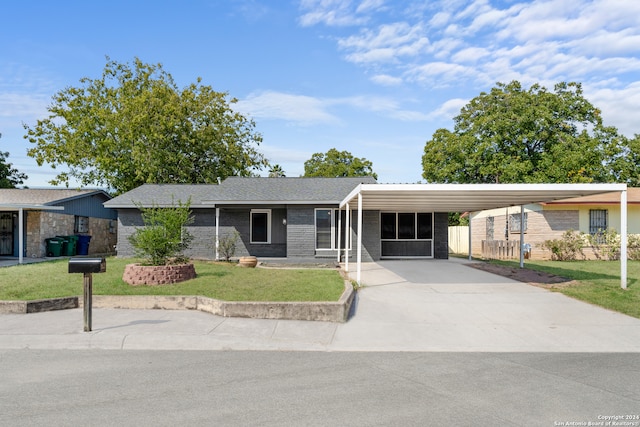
[215,280]
[598,282]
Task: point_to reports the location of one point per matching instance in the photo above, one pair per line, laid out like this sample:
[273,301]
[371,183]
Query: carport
[21,208]
[472,198]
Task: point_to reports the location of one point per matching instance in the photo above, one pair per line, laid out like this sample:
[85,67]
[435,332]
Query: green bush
[633,247]
[567,248]
[606,244]
[163,238]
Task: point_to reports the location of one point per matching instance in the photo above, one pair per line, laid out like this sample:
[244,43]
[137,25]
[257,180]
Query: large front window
[406,234]
[406,226]
[260,226]
[327,229]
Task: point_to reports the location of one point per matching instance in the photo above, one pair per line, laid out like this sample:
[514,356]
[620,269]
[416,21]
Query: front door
[6,234]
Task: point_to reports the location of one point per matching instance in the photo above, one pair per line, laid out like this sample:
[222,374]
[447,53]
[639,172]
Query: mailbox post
[87,266]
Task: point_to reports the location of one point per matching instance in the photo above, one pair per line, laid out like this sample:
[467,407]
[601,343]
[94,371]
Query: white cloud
[386,80]
[22,105]
[304,110]
[619,106]
[449,109]
[331,13]
[385,44]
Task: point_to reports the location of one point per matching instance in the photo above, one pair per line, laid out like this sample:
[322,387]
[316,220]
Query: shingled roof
[242,190]
[42,197]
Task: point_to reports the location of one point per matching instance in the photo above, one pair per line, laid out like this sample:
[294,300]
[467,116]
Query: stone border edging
[326,311]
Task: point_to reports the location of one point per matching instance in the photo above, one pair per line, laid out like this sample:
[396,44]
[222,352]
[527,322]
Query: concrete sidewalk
[427,305]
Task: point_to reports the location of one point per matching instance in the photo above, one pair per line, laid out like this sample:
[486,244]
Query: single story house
[28,217]
[284,218]
[543,221]
[340,218]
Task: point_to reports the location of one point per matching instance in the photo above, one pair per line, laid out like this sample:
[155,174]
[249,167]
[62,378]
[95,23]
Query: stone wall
[41,225]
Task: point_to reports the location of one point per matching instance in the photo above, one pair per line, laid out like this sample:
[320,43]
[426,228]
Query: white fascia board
[12,206]
[269,202]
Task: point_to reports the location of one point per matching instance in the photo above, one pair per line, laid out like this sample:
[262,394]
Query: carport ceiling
[466,197]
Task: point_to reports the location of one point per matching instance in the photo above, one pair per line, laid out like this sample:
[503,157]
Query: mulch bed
[532,277]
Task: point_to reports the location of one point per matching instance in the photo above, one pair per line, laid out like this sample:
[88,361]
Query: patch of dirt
[531,277]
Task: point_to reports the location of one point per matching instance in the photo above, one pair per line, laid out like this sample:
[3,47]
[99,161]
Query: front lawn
[598,282]
[215,280]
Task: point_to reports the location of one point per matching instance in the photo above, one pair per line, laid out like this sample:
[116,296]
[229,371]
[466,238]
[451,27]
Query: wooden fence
[501,249]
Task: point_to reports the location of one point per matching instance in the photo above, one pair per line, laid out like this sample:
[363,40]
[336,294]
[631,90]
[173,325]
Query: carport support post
[339,229]
[470,255]
[521,236]
[359,255]
[217,234]
[347,236]
[623,239]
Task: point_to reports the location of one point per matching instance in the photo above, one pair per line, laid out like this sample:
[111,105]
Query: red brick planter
[136,274]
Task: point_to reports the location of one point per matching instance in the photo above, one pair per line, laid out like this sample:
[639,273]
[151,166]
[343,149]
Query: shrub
[606,244]
[163,238]
[567,248]
[227,245]
[633,247]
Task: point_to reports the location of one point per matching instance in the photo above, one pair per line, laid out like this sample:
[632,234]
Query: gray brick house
[287,218]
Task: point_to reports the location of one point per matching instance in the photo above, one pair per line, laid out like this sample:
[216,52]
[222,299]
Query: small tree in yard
[163,238]
[227,245]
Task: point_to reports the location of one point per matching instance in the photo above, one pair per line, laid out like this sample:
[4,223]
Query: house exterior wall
[441,235]
[203,230]
[41,225]
[301,231]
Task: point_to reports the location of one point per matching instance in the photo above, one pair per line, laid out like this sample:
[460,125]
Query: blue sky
[373,77]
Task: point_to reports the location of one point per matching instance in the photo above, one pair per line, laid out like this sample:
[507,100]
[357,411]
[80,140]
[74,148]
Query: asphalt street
[250,388]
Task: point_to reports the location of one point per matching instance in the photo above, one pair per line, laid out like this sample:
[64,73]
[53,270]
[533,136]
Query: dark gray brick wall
[203,230]
[441,235]
[301,232]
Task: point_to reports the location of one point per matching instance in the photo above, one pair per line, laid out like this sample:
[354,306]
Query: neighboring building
[46,213]
[286,217]
[546,221]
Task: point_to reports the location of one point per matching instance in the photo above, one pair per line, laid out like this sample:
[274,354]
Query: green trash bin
[73,245]
[54,246]
[69,244]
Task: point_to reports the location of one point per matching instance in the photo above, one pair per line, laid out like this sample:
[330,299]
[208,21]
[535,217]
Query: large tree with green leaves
[10,177]
[336,163]
[512,135]
[133,125]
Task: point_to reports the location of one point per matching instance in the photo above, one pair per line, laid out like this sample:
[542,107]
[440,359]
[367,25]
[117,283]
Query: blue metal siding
[89,206]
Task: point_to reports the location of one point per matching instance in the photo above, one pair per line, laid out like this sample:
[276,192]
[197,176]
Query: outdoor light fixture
[284,221]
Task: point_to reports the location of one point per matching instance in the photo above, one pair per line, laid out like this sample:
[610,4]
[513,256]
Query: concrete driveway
[421,305]
[445,305]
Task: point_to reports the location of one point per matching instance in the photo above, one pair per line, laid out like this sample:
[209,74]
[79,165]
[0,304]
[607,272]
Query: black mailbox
[87,265]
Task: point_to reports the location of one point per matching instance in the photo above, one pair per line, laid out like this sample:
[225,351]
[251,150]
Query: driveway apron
[446,305]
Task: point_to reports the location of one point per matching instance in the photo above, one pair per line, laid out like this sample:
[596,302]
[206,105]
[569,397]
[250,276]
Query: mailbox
[87,265]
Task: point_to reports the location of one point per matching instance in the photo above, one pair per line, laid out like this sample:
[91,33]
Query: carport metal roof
[467,197]
[476,197]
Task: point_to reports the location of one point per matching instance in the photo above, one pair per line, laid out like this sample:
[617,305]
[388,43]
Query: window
[260,226]
[514,222]
[406,226]
[323,229]
[81,224]
[327,229]
[490,226]
[597,222]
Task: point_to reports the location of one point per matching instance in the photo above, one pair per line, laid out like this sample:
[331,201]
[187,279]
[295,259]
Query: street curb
[326,311]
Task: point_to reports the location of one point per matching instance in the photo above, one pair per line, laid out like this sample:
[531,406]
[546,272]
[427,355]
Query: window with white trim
[327,228]
[261,226]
